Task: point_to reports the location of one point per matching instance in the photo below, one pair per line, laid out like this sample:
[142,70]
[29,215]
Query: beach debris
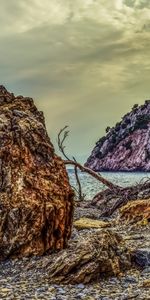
[108,201]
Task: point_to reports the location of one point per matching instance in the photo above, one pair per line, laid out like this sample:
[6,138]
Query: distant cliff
[126,147]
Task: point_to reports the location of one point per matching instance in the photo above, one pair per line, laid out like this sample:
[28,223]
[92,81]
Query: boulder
[36,199]
[102,253]
[137,211]
[87,223]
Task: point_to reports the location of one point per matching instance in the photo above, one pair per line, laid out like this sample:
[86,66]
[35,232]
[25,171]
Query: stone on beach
[102,253]
[137,211]
[36,200]
[90,223]
[141,257]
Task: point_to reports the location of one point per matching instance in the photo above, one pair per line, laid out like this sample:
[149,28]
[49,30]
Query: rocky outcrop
[36,200]
[126,147]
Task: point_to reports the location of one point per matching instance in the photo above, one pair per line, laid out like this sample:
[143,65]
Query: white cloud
[21,16]
[86,61]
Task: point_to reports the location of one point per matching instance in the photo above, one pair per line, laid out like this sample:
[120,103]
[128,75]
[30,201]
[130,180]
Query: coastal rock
[101,253]
[90,223]
[126,147]
[137,211]
[36,200]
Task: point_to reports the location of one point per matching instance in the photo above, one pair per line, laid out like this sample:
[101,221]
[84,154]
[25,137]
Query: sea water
[91,186]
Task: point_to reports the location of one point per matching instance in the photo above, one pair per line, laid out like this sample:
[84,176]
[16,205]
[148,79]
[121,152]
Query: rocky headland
[126,146]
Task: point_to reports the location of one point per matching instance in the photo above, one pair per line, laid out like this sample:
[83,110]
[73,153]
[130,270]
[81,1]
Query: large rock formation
[36,200]
[126,147]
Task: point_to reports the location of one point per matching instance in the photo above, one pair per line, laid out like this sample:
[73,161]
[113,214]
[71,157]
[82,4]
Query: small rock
[90,223]
[142,257]
[80,286]
[146,283]
[130,279]
[61,290]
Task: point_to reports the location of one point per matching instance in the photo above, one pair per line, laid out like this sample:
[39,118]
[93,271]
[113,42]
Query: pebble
[80,286]
[61,291]
[130,279]
[142,257]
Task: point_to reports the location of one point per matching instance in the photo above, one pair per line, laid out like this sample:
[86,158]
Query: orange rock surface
[135,211]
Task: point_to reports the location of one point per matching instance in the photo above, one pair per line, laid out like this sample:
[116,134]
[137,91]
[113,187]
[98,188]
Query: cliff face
[36,200]
[126,147]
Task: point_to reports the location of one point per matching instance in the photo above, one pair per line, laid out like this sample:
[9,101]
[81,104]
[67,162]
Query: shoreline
[28,278]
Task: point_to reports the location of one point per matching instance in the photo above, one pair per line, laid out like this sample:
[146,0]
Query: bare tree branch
[60,140]
[62,135]
[97,176]
[81,195]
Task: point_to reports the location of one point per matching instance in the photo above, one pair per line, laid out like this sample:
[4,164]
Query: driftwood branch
[61,139]
[81,195]
[62,135]
[97,176]
[108,201]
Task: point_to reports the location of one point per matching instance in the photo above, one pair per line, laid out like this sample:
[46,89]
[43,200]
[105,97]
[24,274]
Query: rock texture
[126,147]
[36,200]
[137,211]
[141,257]
[87,223]
[102,253]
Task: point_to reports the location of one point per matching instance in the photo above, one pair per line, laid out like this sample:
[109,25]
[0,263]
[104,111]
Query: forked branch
[62,135]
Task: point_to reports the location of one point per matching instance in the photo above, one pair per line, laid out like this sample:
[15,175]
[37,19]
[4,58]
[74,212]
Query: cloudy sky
[85,62]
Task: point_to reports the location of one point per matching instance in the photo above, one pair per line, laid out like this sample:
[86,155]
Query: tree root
[108,201]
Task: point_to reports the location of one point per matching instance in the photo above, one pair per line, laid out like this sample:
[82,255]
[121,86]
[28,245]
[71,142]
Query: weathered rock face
[87,223]
[137,211]
[126,147]
[36,200]
[102,253]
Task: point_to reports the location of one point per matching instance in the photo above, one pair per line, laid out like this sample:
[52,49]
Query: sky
[85,62]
